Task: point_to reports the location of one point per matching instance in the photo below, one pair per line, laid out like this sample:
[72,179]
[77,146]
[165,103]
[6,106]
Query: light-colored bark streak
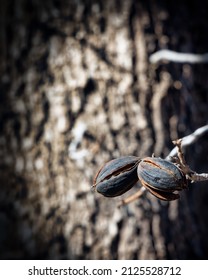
[159,92]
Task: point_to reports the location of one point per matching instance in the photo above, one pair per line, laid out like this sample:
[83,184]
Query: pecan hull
[161,177]
[117,176]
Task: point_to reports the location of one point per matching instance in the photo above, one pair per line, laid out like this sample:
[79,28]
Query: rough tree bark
[77,90]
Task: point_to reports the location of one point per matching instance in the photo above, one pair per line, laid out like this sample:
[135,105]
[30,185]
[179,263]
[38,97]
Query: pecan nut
[117,176]
[161,177]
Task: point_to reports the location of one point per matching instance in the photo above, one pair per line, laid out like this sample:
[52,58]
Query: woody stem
[133,197]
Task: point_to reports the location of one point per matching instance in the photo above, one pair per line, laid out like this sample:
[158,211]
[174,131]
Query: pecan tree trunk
[77,90]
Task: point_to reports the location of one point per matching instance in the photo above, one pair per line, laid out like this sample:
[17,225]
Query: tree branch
[190,174]
[178,57]
[188,140]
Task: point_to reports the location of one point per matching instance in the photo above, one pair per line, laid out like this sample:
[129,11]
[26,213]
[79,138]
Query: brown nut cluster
[160,177]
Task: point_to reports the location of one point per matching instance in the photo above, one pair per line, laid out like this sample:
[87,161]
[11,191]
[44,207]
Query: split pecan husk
[161,177]
[117,176]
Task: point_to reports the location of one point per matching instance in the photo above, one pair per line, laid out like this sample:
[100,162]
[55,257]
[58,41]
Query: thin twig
[190,174]
[188,140]
[178,57]
[133,197]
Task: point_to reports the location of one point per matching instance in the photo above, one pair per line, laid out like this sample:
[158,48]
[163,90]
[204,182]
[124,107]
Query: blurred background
[76,90]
